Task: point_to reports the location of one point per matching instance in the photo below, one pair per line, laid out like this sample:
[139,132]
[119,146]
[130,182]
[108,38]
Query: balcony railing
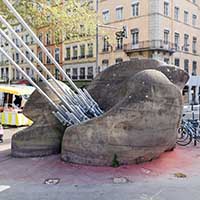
[82,77]
[90,55]
[118,48]
[75,58]
[90,76]
[74,77]
[151,45]
[67,58]
[81,56]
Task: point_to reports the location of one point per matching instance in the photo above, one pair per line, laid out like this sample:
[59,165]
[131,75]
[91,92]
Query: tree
[73,18]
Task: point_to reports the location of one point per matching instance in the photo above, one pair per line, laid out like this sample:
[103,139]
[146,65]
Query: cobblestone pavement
[174,175]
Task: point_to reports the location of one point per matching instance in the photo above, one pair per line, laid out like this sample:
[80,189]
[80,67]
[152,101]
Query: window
[32,56]
[48,41]
[27,55]
[176,13]
[194,68]
[135,36]
[17,58]
[105,43]
[17,42]
[166,36]
[106,16]
[90,73]
[194,45]
[135,9]
[2,73]
[74,73]
[75,52]
[105,63]
[32,40]
[119,13]
[40,56]
[40,37]
[68,72]
[28,71]
[166,8]
[166,60]
[82,73]
[68,53]
[90,50]
[48,59]
[82,51]
[7,70]
[57,55]
[177,62]
[176,40]
[119,43]
[186,65]
[17,74]
[27,39]
[57,73]
[194,20]
[118,60]
[186,39]
[186,17]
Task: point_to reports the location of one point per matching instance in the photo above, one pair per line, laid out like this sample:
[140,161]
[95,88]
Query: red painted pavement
[182,160]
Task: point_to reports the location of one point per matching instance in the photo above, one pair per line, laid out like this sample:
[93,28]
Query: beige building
[7,71]
[80,59]
[80,56]
[167,30]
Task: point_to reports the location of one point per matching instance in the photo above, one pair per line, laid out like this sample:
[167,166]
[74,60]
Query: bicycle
[188,131]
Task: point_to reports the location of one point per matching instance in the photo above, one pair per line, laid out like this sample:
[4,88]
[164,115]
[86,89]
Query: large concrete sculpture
[143,104]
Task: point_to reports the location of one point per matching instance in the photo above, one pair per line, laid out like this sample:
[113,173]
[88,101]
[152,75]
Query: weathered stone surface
[45,135]
[143,105]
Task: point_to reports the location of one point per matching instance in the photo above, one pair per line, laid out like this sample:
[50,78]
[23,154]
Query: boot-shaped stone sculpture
[142,101]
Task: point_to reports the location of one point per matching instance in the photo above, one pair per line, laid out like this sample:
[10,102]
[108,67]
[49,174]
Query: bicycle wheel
[183,138]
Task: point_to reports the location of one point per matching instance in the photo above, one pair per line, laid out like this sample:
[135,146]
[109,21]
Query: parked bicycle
[188,131]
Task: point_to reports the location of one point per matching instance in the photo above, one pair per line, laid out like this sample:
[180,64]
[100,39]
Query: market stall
[12,101]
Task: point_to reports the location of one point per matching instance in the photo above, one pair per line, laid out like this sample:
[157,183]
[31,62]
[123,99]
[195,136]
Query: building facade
[7,71]
[54,44]
[168,30]
[80,59]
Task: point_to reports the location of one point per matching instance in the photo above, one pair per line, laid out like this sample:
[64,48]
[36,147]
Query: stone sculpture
[143,104]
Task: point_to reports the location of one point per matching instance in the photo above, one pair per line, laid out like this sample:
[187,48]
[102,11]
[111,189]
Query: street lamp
[192,105]
[97,37]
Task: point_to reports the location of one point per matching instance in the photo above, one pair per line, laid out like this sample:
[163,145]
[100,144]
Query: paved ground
[24,178]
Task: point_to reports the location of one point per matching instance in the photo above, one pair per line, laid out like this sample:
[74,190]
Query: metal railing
[152,45]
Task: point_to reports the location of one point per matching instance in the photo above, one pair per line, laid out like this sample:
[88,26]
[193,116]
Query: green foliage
[115,162]
[72,18]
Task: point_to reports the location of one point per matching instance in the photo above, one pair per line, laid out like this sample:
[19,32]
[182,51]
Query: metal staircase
[76,105]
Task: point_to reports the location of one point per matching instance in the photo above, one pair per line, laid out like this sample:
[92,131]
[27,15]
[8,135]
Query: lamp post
[192,105]
[97,37]
[199,106]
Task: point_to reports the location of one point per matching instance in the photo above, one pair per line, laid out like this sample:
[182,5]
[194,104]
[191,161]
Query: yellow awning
[17,90]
